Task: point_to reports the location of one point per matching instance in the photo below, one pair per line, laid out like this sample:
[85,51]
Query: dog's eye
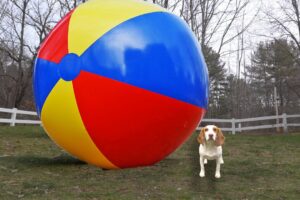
[206,129]
[215,129]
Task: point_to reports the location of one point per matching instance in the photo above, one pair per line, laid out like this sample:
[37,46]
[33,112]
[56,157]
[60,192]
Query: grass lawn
[256,167]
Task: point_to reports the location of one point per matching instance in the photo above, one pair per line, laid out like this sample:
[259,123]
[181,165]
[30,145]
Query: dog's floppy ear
[201,136]
[220,137]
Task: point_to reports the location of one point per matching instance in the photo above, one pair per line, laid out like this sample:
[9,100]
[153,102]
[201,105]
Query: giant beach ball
[120,83]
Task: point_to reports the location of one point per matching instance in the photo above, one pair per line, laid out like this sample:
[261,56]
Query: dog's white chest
[210,153]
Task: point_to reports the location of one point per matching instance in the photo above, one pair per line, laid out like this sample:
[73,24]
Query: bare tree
[284,18]
[163,3]
[68,5]
[41,18]
[24,20]
[213,20]
[13,42]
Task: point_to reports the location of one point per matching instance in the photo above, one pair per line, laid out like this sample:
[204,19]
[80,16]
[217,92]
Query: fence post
[284,121]
[233,126]
[13,117]
[240,127]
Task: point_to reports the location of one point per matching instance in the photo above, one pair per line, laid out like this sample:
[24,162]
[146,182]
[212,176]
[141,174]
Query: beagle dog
[211,140]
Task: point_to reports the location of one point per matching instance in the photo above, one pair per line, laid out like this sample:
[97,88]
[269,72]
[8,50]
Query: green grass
[256,167]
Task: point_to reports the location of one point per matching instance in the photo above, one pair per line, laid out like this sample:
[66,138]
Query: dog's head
[211,133]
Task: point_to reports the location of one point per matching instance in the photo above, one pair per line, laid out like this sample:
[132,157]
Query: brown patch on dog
[220,137]
[201,136]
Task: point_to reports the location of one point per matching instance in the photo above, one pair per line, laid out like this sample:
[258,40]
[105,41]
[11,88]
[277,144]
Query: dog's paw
[218,175]
[205,161]
[201,174]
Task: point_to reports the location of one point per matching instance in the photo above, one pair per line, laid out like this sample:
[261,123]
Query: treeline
[246,91]
[274,64]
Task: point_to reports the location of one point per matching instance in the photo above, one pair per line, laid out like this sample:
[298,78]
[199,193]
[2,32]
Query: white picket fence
[13,119]
[236,124]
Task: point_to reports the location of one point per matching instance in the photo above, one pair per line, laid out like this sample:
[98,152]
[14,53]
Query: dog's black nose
[210,135]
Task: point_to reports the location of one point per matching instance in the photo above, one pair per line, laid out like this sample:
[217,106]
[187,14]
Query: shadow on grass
[167,162]
[67,160]
[37,161]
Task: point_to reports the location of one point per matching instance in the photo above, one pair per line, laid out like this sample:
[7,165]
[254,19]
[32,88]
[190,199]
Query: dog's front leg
[218,164]
[202,170]
[221,161]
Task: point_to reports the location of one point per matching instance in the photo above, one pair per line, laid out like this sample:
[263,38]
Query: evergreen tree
[217,77]
[275,64]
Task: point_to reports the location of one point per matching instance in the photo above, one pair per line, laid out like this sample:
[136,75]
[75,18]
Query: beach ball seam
[85,148]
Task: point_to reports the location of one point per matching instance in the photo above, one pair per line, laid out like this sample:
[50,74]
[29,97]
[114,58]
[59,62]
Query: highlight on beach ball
[120,83]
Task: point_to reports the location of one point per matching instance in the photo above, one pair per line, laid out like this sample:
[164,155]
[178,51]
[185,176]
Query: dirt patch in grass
[256,167]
